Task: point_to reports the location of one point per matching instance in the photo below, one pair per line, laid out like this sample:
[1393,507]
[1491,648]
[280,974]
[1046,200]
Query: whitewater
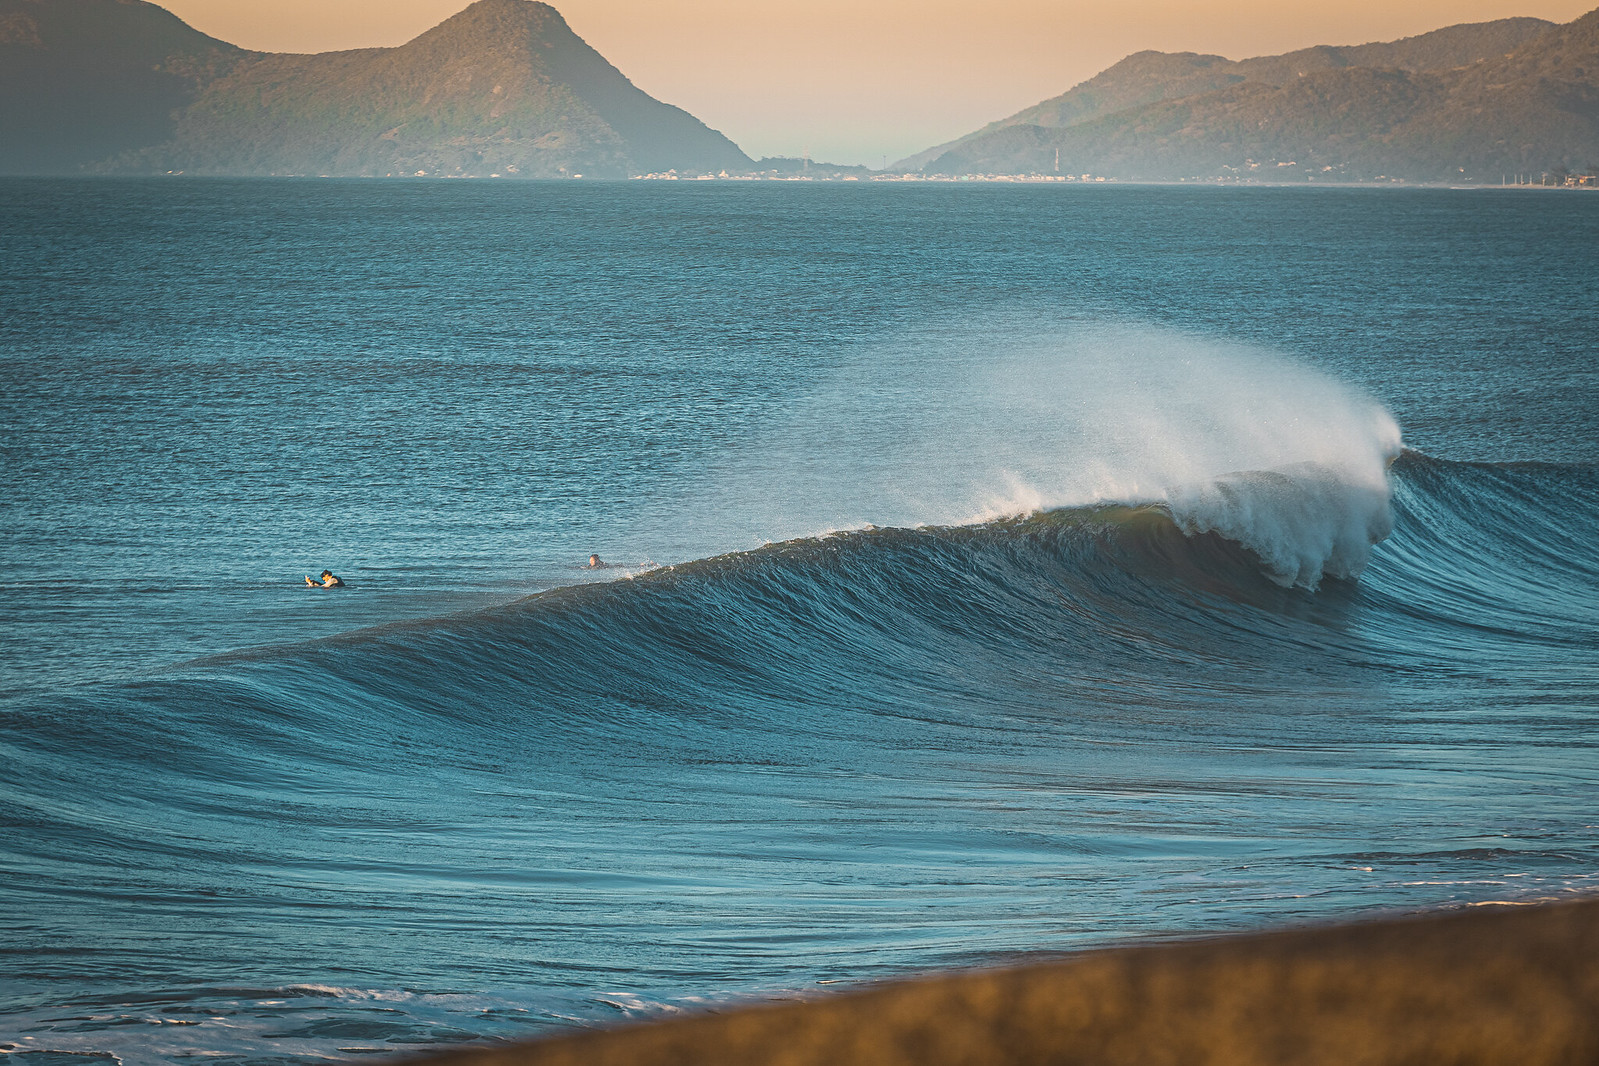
[993,572]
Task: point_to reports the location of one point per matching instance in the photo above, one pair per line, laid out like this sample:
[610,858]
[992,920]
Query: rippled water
[995,570]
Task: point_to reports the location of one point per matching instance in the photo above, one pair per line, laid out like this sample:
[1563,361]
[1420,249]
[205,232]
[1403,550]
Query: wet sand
[1489,985]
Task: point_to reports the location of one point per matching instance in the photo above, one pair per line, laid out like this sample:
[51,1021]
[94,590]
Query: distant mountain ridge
[503,87]
[1467,102]
[1151,77]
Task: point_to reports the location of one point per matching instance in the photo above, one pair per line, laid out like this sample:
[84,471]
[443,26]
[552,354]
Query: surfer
[596,563]
[328,581]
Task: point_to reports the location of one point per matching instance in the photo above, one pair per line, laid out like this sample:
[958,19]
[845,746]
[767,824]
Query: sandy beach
[1493,984]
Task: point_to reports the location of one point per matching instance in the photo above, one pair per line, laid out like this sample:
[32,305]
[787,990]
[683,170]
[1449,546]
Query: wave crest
[1305,522]
[1230,438]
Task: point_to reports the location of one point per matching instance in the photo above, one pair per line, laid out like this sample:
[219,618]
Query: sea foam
[969,423]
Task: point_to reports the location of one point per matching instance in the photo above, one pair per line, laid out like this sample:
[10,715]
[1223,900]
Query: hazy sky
[861,81]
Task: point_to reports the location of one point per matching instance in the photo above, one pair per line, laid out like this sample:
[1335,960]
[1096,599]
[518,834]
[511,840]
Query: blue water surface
[865,690]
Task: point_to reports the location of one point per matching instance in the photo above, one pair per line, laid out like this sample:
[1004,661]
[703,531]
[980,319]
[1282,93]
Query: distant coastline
[1586,181]
[1569,183]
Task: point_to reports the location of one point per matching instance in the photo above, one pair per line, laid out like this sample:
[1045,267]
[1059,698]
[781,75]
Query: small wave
[306,1023]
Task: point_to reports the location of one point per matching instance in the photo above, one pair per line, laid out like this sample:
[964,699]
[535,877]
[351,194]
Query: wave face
[829,758]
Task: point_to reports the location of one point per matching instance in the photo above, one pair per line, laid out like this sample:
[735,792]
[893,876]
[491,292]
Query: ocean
[989,571]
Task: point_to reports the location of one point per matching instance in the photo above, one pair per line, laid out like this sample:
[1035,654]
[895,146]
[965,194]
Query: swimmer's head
[327,573]
[594,560]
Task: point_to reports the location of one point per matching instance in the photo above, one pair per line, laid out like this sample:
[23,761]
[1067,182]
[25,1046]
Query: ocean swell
[854,754]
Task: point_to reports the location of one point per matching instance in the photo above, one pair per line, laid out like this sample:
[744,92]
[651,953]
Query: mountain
[1151,77]
[85,80]
[1469,102]
[504,87]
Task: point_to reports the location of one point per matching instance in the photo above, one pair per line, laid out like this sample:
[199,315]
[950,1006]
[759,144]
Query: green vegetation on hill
[85,80]
[504,87]
[1152,77]
[1466,103]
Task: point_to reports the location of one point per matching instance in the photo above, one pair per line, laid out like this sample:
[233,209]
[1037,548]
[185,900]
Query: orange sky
[861,81]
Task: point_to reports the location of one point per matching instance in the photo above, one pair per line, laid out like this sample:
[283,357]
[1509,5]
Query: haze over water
[1092,606]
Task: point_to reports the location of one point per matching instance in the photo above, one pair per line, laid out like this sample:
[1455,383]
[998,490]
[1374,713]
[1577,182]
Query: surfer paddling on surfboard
[328,581]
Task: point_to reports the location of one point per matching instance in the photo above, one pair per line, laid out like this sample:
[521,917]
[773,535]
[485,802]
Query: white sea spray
[1009,416]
